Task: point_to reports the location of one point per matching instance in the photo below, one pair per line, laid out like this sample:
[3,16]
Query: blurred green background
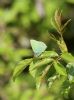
[20,21]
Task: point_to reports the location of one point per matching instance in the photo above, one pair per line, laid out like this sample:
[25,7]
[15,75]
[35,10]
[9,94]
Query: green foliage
[41,66]
[21,20]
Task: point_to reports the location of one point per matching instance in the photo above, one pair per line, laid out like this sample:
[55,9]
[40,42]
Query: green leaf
[38,83]
[63,27]
[36,74]
[58,18]
[40,80]
[31,71]
[47,54]
[45,71]
[56,21]
[51,80]
[38,70]
[54,25]
[67,57]
[35,67]
[42,62]
[60,69]
[20,67]
[70,70]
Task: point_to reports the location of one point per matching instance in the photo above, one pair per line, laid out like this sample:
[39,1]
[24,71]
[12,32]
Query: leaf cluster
[51,65]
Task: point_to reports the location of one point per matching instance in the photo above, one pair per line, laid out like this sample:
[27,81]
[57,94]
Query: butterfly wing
[38,47]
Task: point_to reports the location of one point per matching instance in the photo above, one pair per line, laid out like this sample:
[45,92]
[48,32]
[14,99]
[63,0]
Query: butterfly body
[38,47]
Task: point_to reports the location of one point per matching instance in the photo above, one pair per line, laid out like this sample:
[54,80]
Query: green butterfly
[38,47]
